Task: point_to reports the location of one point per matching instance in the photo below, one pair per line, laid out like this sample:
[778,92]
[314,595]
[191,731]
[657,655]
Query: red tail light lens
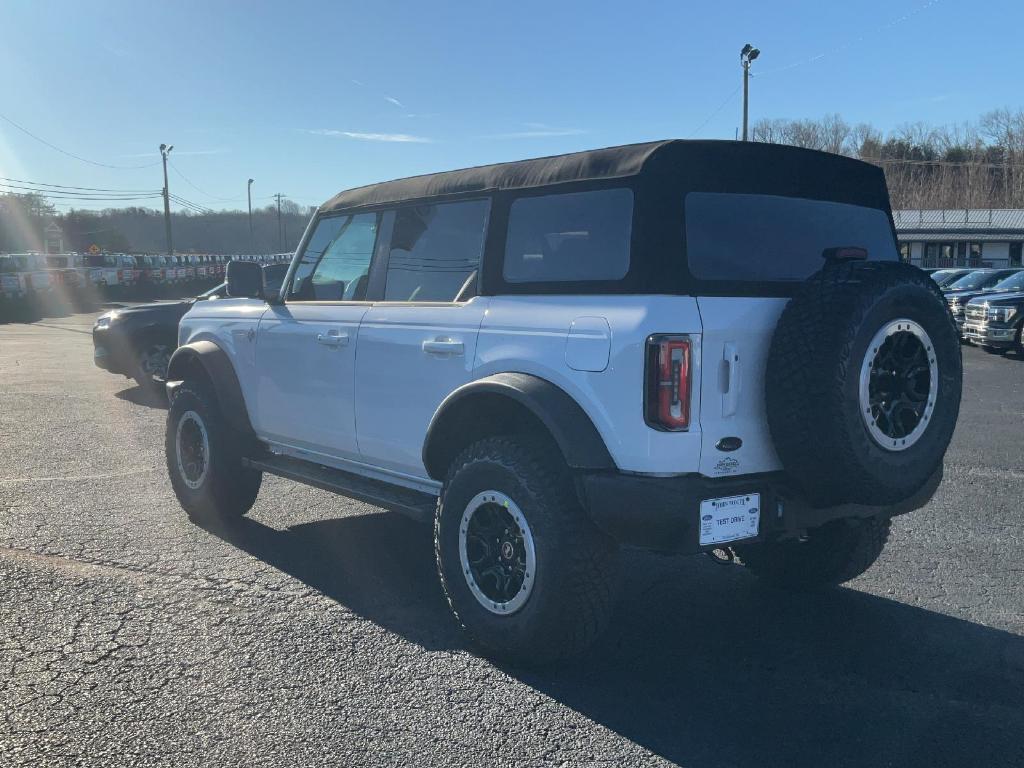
[667,383]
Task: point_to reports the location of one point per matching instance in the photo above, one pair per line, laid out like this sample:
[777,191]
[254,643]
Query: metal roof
[905,236]
[968,221]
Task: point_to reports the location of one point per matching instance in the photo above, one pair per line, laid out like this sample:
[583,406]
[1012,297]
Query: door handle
[731,396]
[444,347]
[332,339]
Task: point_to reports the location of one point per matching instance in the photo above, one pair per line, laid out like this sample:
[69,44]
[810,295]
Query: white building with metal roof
[961,237]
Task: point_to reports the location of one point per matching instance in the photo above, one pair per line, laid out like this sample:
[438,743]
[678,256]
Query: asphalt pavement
[315,633]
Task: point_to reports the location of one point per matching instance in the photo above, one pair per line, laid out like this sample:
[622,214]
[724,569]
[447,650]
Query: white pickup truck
[685,346]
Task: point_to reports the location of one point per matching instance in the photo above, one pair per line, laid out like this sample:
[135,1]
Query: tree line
[972,165]
[23,219]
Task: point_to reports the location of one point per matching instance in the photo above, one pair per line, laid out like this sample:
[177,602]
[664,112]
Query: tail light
[667,383]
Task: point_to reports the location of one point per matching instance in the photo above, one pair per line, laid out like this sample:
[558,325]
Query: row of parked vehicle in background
[34,285]
[987,305]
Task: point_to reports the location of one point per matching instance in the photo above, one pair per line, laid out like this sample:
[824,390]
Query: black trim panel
[221,373]
[573,431]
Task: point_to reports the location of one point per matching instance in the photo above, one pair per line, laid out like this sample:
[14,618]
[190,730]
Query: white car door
[419,344]
[306,346]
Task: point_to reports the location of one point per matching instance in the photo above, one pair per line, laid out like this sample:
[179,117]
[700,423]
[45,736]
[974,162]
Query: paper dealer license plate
[730,518]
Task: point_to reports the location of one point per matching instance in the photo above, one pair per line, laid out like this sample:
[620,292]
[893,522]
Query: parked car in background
[138,341]
[946,276]
[975,283]
[993,320]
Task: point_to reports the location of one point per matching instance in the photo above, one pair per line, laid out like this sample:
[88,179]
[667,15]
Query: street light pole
[165,150]
[280,245]
[747,55]
[249,189]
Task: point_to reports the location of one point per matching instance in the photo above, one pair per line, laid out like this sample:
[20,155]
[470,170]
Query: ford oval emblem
[728,444]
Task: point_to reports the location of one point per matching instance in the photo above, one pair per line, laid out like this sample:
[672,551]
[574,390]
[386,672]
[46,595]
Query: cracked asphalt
[315,632]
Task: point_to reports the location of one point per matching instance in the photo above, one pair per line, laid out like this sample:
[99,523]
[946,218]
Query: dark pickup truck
[994,321]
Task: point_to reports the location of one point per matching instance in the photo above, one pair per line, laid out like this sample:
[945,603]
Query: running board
[415,504]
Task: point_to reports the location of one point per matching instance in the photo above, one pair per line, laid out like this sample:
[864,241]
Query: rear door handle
[332,339]
[444,347]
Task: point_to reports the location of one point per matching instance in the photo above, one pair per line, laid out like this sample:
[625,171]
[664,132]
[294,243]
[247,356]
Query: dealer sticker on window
[730,518]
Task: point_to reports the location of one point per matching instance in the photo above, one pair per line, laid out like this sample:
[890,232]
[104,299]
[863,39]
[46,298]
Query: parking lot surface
[315,633]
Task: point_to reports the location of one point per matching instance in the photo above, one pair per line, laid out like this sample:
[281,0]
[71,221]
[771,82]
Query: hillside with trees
[974,165]
[141,230]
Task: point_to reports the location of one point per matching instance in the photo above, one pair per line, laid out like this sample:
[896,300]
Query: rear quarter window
[572,237]
[765,238]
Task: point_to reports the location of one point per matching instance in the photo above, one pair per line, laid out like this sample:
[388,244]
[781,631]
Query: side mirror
[245,280]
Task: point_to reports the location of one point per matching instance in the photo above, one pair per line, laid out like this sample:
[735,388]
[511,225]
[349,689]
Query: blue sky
[312,97]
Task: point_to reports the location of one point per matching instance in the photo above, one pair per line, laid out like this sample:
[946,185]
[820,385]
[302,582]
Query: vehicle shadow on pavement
[378,565]
[139,396]
[708,667]
[705,666]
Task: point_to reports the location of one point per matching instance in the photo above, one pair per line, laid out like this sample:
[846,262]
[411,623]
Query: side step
[415,504]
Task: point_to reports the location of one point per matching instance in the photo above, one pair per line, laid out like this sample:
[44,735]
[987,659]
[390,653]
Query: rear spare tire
[863,383]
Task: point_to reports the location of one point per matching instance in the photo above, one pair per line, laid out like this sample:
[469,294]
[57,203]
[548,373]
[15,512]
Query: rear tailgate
[734,354]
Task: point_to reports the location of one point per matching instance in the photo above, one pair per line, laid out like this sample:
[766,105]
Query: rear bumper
[663,513]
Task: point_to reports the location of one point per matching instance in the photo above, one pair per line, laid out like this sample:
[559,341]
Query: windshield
[1011,283]
[975,280]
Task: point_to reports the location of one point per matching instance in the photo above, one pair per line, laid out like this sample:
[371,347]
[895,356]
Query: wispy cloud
[400,138]
[117,50]
[394,101]
[538,131]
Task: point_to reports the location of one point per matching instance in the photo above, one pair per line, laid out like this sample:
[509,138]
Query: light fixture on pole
[249,190]
[747,55]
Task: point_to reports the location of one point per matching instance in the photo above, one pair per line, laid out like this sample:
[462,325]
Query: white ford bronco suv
[688,346]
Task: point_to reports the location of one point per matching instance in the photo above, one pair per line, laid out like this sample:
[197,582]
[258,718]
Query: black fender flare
[569,425]
[216,368]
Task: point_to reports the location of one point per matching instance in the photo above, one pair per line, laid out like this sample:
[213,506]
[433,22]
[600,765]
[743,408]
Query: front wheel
[151,364]
[827,556]
[204,459]
[526,573]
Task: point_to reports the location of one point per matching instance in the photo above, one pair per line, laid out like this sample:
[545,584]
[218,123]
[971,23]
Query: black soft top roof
[671,166]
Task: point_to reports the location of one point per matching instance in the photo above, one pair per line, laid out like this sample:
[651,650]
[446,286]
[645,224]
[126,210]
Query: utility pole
[747,55]
[165,150]
[250,215]
[280,240]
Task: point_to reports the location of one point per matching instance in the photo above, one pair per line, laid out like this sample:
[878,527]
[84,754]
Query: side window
[435,251]
[577,236]
[335,264]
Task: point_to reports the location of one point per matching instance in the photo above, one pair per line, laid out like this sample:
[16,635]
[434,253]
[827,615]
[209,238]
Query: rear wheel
[826,556]
[204,458]
[525,572]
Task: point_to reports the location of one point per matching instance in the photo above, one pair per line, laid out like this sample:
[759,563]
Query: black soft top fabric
[670,166]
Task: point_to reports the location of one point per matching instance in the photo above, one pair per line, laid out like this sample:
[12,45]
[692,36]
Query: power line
[197,189]
[721,106]
[19,190]
[190,205]
[850,44]
[64,186]
[54,147]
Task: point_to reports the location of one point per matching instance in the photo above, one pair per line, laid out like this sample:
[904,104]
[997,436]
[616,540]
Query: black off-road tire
[813,378]
[830,555]
[571,596]
[227,489]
